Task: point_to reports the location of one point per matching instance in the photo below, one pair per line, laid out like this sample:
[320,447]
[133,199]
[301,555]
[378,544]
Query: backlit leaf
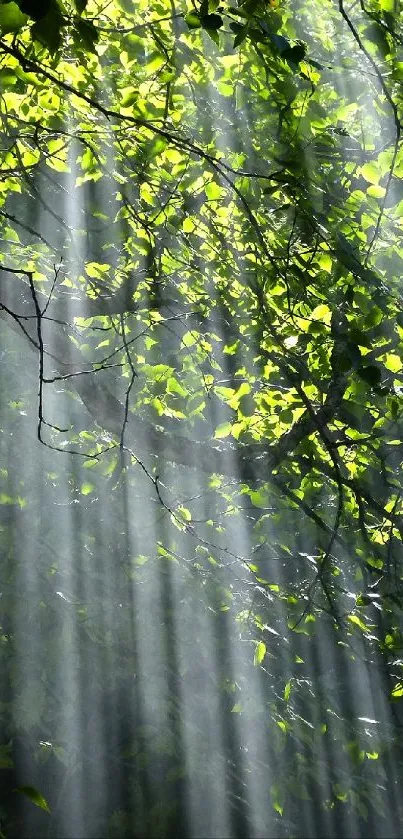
[34,796]
[260,652]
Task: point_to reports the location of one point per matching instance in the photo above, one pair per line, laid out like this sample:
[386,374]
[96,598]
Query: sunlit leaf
[397,690]
[260,652]
[87,488]
[370,172]
[223,430]
[34,796]
[193,20]
[11,18]
[358,622]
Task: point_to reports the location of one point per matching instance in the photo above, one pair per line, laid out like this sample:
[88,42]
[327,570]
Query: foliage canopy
[201,210]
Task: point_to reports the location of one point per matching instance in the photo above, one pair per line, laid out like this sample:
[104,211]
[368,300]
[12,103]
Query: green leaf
[11,18]
[185,513]
[240,37]
[279,42]
[80,5]
[358,622]
[47,32]
[357,754]
[213,34]
[212,22]
[34,796]
[326,262]
[213,190]
[85,34]
[7,76]
[259,498]
[370,172]
[393,363]
[277,798]
[87,488]
[294,54]
[87,163]
[193,20]
[37,9]
[370,374]
[260,652]
[359,338]
[287,690]
[247,405]
[223,430]
[394,407]
[236,27]
[129,98]
[189,339]
[397,691]
[376,191]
